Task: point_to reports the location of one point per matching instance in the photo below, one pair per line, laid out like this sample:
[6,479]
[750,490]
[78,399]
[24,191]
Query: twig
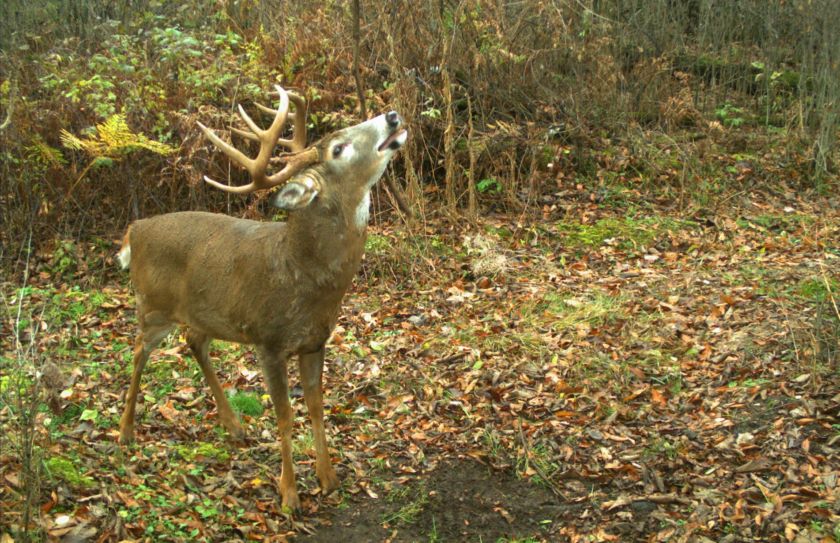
[357,75]
[664,499]
[398,196]
[792,334]
[451,358]
[828,288]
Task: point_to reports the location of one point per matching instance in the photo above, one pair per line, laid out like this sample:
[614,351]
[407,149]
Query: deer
[275,285]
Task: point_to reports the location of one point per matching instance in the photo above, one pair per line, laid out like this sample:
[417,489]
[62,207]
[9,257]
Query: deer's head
[340,169]
[350,161]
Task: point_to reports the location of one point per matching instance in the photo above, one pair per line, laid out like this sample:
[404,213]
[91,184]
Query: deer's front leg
[274,370]
[311,368]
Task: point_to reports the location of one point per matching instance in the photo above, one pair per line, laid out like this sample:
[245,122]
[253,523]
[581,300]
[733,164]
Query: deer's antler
[295,161]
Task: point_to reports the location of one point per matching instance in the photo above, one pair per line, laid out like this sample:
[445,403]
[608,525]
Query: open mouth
[394,141]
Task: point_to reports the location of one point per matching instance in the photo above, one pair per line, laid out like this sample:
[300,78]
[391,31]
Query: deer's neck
[326,249]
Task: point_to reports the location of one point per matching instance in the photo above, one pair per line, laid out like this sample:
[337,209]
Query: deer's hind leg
[154,328]
[199,345]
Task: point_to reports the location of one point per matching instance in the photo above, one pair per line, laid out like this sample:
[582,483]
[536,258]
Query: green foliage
[174,45]
[41,156]
[431,113]
[207,509]
[490,185]
[62,307]
[247,403]
[64,258]
[60,468]
[730,116]
[377,244]
[98,91]
[819,289]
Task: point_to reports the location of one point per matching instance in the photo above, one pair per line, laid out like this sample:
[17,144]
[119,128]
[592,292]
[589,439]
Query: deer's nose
[393,119]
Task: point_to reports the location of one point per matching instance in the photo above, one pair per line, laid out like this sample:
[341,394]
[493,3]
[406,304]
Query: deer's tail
[124,256]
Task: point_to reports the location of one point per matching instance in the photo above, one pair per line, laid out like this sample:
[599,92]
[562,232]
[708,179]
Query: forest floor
[601,373]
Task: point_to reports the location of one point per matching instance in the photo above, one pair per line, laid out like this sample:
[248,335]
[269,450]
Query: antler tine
[252,126]
[247,135]
[298,141]
[265,109]
[242,189]
[235,154]
[255,130]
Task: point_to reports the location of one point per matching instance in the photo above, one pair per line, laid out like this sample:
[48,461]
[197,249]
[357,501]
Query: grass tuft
[246,403]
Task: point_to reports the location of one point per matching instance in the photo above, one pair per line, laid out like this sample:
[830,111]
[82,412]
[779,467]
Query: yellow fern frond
[114,139]
[70,141]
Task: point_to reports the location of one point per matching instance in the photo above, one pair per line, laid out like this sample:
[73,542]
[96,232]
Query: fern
[114,139]
[42,155]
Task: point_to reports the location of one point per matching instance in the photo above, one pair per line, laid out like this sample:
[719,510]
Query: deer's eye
[336,152]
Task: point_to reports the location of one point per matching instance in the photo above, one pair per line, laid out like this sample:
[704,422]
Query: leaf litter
[547,382]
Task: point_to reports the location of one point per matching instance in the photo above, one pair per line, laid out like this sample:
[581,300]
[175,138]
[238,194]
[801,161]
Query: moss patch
[65,470]
[202,450]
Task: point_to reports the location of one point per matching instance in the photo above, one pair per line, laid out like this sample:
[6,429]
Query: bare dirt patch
[461,500]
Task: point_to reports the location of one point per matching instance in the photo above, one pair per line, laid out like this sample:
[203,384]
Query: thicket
[507,101]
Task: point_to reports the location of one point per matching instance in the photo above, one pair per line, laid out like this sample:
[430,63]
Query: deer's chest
[300,326]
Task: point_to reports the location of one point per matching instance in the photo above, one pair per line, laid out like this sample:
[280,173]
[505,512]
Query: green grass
[568,312]
[627,233]
[544,461]
[408,513]
[303,443]
[779,224]
[764,280]
[378,464]
[246,403]
[818,289]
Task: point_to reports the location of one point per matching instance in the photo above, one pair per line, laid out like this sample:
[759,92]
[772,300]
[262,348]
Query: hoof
[126,435]
[237,436]
[291,502]
[329,481]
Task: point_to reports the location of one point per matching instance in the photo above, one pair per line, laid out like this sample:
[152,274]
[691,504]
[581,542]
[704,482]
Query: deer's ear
[295,194]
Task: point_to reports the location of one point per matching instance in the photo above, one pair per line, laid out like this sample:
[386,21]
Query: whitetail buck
[277,286]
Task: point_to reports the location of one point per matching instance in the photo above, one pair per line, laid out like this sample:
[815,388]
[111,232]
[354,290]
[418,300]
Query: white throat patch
[363,212]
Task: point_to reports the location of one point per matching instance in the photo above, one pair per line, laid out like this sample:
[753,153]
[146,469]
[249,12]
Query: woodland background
[554,145]
[504,98]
